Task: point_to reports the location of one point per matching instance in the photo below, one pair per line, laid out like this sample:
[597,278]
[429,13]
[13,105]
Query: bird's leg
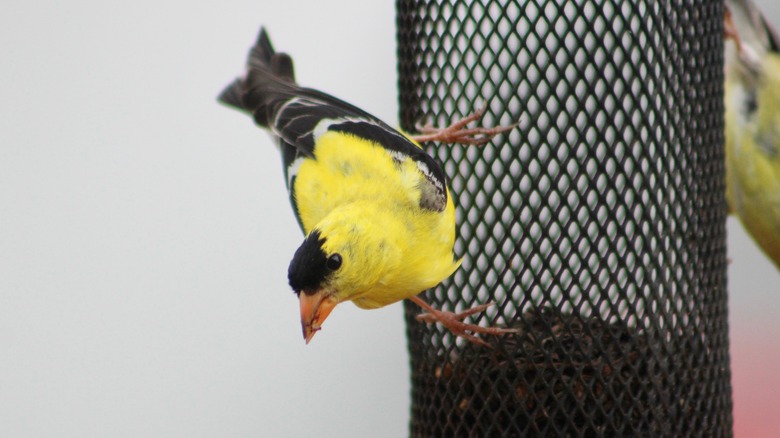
[454,321]
[458,133]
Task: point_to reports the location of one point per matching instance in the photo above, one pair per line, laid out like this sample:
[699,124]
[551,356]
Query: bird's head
[336,262]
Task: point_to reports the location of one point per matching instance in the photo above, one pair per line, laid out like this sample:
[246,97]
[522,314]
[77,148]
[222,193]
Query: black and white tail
[267,84]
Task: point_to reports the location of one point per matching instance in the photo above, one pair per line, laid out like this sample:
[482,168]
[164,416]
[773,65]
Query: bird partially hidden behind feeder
[376,210]
[752,99]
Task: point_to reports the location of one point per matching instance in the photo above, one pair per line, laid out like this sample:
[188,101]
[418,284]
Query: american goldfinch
[378,218]
[752,99]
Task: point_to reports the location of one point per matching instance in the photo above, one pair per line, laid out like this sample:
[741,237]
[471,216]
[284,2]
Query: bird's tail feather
[268,82]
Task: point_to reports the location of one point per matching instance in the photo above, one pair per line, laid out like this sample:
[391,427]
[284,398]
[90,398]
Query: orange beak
[314,309]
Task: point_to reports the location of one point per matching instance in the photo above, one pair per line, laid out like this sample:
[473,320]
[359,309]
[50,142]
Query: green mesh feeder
[597,226]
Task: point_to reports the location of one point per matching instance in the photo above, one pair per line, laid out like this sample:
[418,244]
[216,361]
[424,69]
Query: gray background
[145,231]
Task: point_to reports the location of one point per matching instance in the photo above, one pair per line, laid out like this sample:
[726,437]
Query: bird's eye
[334,262]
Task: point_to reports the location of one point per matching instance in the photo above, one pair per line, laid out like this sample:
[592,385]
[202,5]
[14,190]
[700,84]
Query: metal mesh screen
[597,226]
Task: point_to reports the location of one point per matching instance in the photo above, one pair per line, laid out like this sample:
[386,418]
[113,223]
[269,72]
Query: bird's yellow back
[346,169]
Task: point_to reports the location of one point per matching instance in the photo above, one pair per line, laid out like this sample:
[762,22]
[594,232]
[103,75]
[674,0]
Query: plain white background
[145,231]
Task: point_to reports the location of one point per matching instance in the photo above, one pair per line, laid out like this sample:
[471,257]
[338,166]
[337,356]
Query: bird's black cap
[308,268]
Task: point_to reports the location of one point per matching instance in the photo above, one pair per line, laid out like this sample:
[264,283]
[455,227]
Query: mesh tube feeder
[597,226]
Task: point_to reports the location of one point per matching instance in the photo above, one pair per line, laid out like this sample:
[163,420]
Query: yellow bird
[752,99]
[375,208]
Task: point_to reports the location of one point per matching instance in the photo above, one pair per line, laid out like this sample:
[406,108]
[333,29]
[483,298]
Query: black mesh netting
[597,226]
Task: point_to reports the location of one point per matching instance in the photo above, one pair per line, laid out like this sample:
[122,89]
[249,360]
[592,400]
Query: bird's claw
[458,133]
[454,322]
